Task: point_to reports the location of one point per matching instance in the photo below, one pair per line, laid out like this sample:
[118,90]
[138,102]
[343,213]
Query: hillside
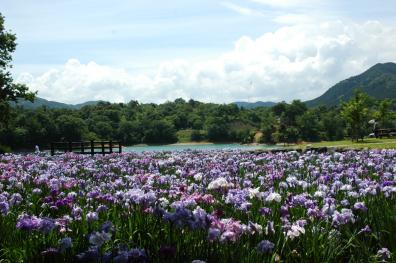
[379,82]
[39,102]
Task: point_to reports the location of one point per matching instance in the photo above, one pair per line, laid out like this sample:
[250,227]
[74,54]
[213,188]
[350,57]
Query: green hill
[39,102]
[378,82]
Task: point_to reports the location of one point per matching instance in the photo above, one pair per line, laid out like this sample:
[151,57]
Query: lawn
[369,143]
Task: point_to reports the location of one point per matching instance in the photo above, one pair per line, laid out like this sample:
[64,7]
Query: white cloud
[289,3]
[293,62]
[293,19]
[242,10]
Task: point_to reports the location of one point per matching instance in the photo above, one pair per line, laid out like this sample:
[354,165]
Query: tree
[355,113]
[268,127]
[332,124]
[384,114]
[71,128]
[129,132]
[308,124]
[9,91]
[217,129]
[293,110]
[159,131]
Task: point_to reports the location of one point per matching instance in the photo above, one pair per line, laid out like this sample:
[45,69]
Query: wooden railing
[87,147]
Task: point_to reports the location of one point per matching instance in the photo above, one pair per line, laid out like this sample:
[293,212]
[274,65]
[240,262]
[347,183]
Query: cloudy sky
[219,51]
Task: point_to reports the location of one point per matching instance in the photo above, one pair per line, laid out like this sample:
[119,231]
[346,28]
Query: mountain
[39,102]
[379,82]
[252,105]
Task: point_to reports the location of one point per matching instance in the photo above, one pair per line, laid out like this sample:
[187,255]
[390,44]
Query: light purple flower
[365,230]
[213,234]
[91,216]
[360,206]
[384,254]
[343,217]
[99,238]
[16,199]
[28,223]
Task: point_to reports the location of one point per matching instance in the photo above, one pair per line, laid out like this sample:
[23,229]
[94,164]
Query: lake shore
[201,143]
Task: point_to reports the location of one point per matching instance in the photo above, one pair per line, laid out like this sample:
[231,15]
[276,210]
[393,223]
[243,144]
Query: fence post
[92,148]
[103,148]
[119,147]
[70,146]
[52,149]
[82,147]
[111,146]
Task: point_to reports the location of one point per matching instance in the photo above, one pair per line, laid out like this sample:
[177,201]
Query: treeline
[134,123]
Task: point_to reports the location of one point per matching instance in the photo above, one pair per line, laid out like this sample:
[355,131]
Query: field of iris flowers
[199,206]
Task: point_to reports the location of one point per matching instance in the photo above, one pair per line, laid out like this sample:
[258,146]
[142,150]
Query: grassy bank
[370,143]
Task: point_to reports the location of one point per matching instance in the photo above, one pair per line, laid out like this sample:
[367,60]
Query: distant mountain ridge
[252,105]
[379,82]
[39,102]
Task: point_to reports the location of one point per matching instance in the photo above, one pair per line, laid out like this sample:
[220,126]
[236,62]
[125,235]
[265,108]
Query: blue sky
[159,50]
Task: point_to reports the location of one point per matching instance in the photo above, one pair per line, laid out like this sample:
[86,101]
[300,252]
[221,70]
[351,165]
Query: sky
[74,51]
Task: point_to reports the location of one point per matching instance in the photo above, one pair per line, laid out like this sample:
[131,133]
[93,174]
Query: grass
[370,143]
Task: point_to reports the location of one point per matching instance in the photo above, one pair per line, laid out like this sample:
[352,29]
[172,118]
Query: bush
[4,149]
[197,136]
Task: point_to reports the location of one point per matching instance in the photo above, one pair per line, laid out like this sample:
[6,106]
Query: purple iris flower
[265,211]
[265,247]
[46,225]
[64,244]
[213,234]
[27,222]
[360,206]
[92,216]
[4,208]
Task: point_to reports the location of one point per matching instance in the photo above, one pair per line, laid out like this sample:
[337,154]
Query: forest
[170,122]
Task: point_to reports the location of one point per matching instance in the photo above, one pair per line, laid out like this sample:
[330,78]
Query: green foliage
[332,125]
[384,114]
[355,112]
[309,123]
[198,135]
[217,129]
[71,128]
[159,131]
[182,121]
[268,128]
[9,91]
[4,149]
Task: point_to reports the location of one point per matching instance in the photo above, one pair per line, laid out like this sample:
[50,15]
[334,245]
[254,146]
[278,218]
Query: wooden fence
[87,147]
